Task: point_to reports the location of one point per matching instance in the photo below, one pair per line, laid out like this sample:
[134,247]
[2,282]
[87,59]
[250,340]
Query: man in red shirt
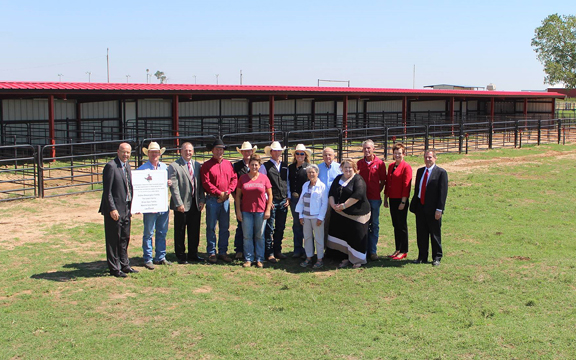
[219,181]
[373,171]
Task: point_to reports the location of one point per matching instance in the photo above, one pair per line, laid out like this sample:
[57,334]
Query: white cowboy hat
[247,146]
[274,146]
[301,147]
[153,146]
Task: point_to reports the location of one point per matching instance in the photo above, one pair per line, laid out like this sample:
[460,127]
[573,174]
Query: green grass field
[506,288]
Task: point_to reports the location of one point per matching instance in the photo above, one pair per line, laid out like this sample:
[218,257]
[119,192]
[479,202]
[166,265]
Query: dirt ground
[28,219]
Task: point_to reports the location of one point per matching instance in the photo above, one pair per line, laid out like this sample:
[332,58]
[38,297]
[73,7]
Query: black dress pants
[117,239]
[189,220]
[400,224]
[428,227]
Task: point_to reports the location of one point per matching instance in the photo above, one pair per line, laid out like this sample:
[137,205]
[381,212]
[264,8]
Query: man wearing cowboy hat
[241,168]
[296,178]
[155,221]
[277,172]
[219,181]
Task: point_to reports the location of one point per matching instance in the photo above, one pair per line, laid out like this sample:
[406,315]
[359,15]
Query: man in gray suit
[187,201]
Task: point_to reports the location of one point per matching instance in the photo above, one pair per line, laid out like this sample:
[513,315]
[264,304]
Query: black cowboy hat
[218,143]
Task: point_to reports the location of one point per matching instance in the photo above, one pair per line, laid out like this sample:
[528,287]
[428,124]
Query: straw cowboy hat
[153,146]
[274,146]
[247,146]
[301,147]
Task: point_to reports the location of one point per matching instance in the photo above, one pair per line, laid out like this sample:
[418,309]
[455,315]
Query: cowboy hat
[247,146]
[301,147]
[218,143]
[153,146]
[274,146]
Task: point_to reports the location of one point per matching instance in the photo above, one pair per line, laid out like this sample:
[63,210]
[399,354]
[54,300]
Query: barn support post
[271,114]
[51,126]
[176,119]
[345,113]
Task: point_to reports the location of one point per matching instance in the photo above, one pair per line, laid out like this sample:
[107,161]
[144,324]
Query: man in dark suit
[430,191]
[117,195]
[187,201]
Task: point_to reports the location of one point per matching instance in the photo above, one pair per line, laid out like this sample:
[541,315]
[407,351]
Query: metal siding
[539,107]
[64,109]
[99,110]
[436,105]
[472,105]
[385,106]
[303,106]
[284,107]
[260,107]
[199,108]
[130,110]
[154,108]
[323,107]
[14,110]
[235,107]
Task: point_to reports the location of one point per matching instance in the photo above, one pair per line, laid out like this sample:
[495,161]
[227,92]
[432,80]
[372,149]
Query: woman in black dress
[350,214]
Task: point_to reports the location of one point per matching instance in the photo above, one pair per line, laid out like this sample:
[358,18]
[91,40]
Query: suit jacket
[436,191]
[181,187]
[399,181]
[115,188]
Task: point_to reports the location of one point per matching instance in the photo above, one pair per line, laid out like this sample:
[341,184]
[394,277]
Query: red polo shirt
[218,177]
[374,175]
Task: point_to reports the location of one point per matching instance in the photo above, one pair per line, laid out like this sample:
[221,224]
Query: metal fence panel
[18,172]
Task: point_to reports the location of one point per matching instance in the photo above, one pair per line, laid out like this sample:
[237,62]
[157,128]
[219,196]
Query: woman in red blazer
[397,191]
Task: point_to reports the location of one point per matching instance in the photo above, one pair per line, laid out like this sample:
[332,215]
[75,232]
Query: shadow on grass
[91,269]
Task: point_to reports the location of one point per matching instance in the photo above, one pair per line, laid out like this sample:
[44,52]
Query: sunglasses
[300,154]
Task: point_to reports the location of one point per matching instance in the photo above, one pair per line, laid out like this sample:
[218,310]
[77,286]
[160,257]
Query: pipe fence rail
[28,171]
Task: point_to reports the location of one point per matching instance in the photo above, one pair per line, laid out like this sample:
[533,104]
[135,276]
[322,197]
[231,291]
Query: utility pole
[240,77]
[60,77]
[194,79]
[108,63]
[148,76]
[89,73]
[217,78]
[127,76]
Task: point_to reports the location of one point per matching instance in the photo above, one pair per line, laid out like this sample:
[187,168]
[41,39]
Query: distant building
[453,87]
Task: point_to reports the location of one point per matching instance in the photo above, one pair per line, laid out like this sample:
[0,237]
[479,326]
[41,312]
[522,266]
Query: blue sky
[370,43]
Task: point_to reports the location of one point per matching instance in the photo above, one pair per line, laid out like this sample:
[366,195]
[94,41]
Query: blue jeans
[217,212]
[158,222]
[275,226]
[374,226]
[253,230]
[298,230]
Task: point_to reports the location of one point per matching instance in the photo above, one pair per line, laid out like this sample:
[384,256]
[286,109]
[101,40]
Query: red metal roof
[187,88]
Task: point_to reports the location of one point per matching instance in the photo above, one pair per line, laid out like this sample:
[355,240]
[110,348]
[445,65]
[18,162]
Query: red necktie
[423,188]
[191,171]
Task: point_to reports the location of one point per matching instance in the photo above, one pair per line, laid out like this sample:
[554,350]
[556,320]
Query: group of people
[335,206]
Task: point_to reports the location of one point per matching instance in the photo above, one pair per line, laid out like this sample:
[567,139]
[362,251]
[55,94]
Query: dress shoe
[280,256]
[394,254]
[212,259]
[259,264]
[272,259]
[182,262]
[162,262]
[296,255]
[418,261]
[400,256]
[247,264]
[196,259]
[239,256]
[373,257]
[436,263]
[129,270]
[225,258]
[149,265]
[118,274]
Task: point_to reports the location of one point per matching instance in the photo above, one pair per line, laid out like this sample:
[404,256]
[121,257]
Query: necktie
[423,188]
[191,172]
[128,196]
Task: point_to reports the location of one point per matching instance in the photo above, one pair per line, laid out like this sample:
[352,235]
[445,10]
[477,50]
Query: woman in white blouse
[312,207]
